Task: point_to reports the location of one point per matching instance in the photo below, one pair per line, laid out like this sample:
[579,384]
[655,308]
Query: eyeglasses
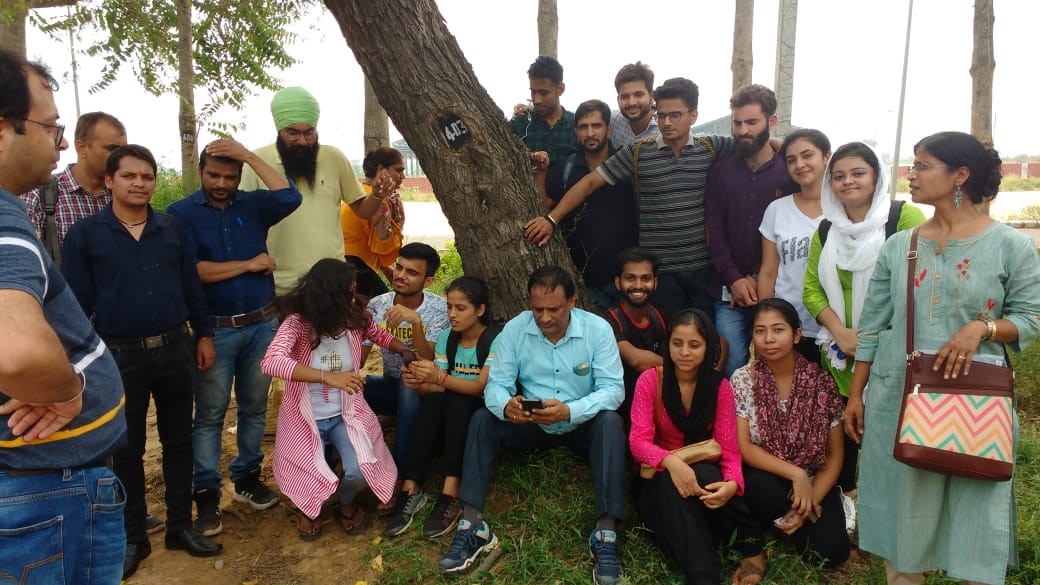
[59,128]
[295,134]
[919,167]
[672,117]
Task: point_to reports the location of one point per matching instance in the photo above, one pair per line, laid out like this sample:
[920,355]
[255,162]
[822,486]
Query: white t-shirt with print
[332,355]
[434,314]
[791,231]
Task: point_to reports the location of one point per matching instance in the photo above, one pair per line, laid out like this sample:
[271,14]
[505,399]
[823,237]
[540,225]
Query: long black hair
[476,292]
[698,424]
[325,298]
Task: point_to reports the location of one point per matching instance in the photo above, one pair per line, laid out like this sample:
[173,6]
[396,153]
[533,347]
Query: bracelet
[82,386]
[443,379]
[991,328]
[322,377]
[551,220]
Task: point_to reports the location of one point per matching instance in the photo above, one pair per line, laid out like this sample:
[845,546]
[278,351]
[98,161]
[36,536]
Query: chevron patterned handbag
[961,426]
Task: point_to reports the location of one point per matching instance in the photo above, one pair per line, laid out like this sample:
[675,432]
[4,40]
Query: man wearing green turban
[324,177]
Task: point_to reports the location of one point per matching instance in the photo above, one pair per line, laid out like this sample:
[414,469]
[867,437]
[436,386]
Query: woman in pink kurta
[317,350]
[690,508]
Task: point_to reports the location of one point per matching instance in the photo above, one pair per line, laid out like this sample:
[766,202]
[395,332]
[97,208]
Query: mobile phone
[529,405]
[408,356]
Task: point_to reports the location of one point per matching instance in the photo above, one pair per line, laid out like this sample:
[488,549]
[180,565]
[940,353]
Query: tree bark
[12,21]
[982,67]
[743,27]
[548,28]
[484,182]
[186,94]
[377,125]
[785,40]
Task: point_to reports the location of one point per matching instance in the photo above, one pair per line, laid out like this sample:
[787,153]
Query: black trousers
[689,532]
[847,477]
[442,414]
[368,282]
[167,374]
[767,497]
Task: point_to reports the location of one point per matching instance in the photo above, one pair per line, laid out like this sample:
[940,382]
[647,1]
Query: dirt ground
[259,547]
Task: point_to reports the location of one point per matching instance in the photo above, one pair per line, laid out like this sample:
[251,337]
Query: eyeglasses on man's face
[672,117]
[920,167]
[294,134]
[59,129]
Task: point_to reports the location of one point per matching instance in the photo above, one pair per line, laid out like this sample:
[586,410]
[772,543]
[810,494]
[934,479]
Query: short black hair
[15,97]
[755,94]
[546,67]
[86,123]
[679,88]
[637,71]
[550,277]
[637,254]
[205,157]
[591,106]
[421,251]
[130,150]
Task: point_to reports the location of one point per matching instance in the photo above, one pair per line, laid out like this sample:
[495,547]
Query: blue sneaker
[606,569]
[470,540]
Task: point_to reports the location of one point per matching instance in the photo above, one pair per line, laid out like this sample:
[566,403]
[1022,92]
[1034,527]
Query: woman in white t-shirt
[787,230]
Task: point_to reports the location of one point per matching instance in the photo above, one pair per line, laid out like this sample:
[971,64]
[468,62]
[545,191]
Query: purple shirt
[736,200]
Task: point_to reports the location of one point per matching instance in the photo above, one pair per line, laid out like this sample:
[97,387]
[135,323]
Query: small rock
[218,565]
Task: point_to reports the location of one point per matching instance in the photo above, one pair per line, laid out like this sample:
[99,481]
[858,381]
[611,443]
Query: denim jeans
[239,351]
[167,375]
[353,483]
[389,396]
[734,323]
[62,527]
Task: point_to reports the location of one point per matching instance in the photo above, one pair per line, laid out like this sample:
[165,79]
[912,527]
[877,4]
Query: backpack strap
[825,226]
[707,144]
[49,200]
[613,315]
[893,218]
[568,167]
[660,318]
[452,349]
[658,401]
[484,343]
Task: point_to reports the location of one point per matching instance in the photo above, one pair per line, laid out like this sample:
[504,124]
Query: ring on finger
[960,357]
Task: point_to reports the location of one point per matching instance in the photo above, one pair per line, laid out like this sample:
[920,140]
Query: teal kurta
[917,519]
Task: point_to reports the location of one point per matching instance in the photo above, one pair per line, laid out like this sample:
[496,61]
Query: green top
[815,299]
[559,140]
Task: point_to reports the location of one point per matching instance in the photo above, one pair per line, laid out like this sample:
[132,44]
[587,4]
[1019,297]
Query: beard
[598,148]
[638,304]
[746,149]
[300,162]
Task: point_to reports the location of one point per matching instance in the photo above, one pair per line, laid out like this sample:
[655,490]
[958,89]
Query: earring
[957,197]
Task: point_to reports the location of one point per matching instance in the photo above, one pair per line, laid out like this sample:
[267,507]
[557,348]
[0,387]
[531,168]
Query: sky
[848,66]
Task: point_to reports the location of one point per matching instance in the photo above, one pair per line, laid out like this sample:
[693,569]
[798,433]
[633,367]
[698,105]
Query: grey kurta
[917,519]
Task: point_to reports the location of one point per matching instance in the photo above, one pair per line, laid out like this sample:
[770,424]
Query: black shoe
[250,490]
[154,524]
[190,540]
[135,553]
[207,505]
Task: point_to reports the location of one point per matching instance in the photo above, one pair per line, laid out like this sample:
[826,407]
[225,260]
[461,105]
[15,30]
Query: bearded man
[323,176]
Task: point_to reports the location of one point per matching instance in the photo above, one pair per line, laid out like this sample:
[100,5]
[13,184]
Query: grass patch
[414,194]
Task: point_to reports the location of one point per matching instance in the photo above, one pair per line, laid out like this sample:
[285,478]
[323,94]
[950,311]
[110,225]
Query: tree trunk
[186,92]
[982,66]
[785,37]
[743,26]
[548,28]
[478,168]
[377,125]
[12,21]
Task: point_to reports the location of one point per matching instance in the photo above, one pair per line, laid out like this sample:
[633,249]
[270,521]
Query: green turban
[294,105]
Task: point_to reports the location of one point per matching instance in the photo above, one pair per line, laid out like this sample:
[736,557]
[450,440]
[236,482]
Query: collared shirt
[736,201]
[72,204]
[100,427]
[621,132]
[601,227]
[135,288]
[670,191]
[582,369]
[559,140]
[236,232]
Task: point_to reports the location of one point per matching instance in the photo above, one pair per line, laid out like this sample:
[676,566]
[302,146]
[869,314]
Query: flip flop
[352,522]
[749,572]
[308,529]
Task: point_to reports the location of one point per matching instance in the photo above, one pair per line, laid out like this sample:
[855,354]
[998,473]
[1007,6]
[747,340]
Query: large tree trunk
[478,168]
[186,94]
[982,66]
[785,37]
[377,126]
[12,21]
[743,27]
[548,28]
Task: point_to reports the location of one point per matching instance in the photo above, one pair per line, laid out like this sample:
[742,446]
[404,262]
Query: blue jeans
[62,527]
[389,396]
[734,323]
[239,351]
[353,483]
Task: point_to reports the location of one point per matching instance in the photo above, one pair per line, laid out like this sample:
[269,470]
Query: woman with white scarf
[855,201]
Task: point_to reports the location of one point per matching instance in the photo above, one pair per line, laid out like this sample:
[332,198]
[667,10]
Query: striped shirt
[299,463]
[671,192]
[73,204]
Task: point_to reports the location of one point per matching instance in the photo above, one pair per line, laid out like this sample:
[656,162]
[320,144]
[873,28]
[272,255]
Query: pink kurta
[653,435]
[299,459]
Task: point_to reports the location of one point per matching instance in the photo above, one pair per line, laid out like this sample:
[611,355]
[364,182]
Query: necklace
[132,225]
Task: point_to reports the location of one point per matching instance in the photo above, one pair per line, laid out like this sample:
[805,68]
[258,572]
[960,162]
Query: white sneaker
[849,506]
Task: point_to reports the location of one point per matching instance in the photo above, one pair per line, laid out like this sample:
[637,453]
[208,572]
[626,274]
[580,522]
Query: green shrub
[451,268]
[168,188]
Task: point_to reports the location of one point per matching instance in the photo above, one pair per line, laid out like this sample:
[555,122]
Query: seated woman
[789,428]
[452,388]
[691,508]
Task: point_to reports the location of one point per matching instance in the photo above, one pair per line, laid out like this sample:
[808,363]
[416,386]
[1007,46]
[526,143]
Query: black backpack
[483,345]
[49,200]
[890,225]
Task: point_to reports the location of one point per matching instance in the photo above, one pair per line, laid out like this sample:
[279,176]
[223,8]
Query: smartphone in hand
[529,405]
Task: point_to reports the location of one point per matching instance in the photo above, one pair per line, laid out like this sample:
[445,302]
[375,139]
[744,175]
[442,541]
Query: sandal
[750,571]
[308,529]
[386,508]
[352,522]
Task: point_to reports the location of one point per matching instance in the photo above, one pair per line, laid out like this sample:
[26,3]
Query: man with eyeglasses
[61,506]
[79,191]
[323,176]
[669,177]
[544,125]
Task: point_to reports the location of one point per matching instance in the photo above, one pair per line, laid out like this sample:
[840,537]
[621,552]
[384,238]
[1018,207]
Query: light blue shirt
[582,370]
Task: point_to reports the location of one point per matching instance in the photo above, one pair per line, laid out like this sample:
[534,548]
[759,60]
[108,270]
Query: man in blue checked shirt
[566,362]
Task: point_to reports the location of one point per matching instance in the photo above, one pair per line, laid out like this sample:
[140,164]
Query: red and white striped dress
[299,459]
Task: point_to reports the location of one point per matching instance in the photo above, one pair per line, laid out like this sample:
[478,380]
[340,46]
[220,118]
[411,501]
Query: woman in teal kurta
[977,285]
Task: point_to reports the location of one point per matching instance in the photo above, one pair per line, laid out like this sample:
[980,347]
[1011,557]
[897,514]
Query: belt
[153,342]
[245,319]
[102,462]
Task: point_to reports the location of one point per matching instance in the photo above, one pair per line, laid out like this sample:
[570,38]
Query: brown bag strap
[658,401]
[911,269]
